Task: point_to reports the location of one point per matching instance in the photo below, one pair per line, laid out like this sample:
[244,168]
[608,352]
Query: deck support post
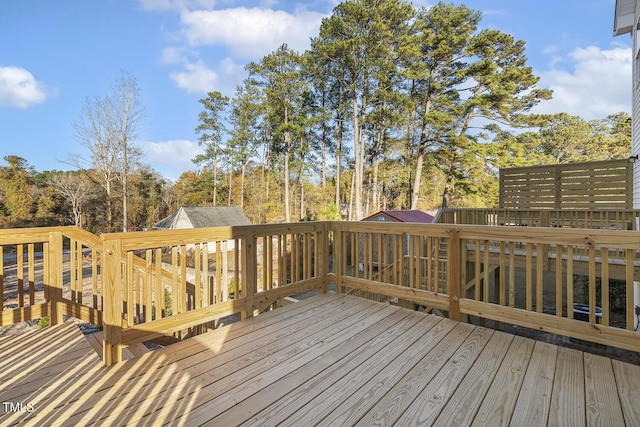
[453,274]
[249,260]
[112,309]
[55,278]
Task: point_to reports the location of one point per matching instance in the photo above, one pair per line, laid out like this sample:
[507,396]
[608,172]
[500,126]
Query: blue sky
[54,54]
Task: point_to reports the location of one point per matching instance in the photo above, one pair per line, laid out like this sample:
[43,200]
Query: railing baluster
[478,270]
[73,270]
[570,282]
[485,276]
[217,291]
[20,273]
[174,281]
[630,267]
[558,280]
[512,275]
[204,281]
[159,288]
[541,257]
[31,273]
[411,250]
[432,257]
[529,279]
[604,284]
[502,273]
[129,290]
[182,288]
[592,284]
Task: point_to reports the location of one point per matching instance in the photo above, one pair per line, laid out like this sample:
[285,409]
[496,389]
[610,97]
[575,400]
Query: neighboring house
[401,216]
[395,216]
[626,21]
[203,217]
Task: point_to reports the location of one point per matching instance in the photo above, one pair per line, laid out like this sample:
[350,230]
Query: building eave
[624,17]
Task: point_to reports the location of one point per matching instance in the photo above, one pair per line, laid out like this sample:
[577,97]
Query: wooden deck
[330,360]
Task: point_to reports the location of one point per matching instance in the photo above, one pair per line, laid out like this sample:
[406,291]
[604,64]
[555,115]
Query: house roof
[205,216]
[404,216]
[623,18]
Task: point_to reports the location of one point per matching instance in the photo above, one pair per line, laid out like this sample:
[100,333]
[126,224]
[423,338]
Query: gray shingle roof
[204,216]
[404,216]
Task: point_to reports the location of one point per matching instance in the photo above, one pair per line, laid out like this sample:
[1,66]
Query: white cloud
[18,88]
[196,78]
[171,158]
[251,33]
[597,83]
[173,55]
[233,74]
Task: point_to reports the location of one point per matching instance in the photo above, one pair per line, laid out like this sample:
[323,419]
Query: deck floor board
[329,360]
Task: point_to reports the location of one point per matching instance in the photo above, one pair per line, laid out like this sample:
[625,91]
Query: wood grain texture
[462,407]
[601,394]
[534,400]
[567,399]
[627,376]
[498,403]
[331,359]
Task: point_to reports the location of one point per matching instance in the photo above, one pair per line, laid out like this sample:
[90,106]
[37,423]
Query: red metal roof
[404,216]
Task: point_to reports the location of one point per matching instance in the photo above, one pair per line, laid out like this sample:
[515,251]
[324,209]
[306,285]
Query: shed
[401,216]
[412,215]
[188,217]
[203,217]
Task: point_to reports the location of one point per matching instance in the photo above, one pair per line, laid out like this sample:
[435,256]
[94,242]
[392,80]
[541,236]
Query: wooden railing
[212,273]
[529,276]
[405,261]
[143,285]
[624,219]
[44,275]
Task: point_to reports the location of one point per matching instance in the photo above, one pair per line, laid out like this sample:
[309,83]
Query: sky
[55,54]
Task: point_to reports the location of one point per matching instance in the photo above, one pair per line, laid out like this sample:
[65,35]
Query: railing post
[545,219]
[56,272]
[322,256]
[249,272]
[454,273]
[112,309]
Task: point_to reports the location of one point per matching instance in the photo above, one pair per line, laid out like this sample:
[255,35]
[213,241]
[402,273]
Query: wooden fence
[589,185]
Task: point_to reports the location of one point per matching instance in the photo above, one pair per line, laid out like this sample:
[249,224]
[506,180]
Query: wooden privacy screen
[590,185]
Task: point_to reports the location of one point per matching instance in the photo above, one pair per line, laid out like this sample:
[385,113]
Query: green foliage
[330,213]
[43,322]
[231,288]
[18,191]
[167,306]
[168,301]
[146,205]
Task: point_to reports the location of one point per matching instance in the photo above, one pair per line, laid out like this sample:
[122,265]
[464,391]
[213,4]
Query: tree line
[391,107]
